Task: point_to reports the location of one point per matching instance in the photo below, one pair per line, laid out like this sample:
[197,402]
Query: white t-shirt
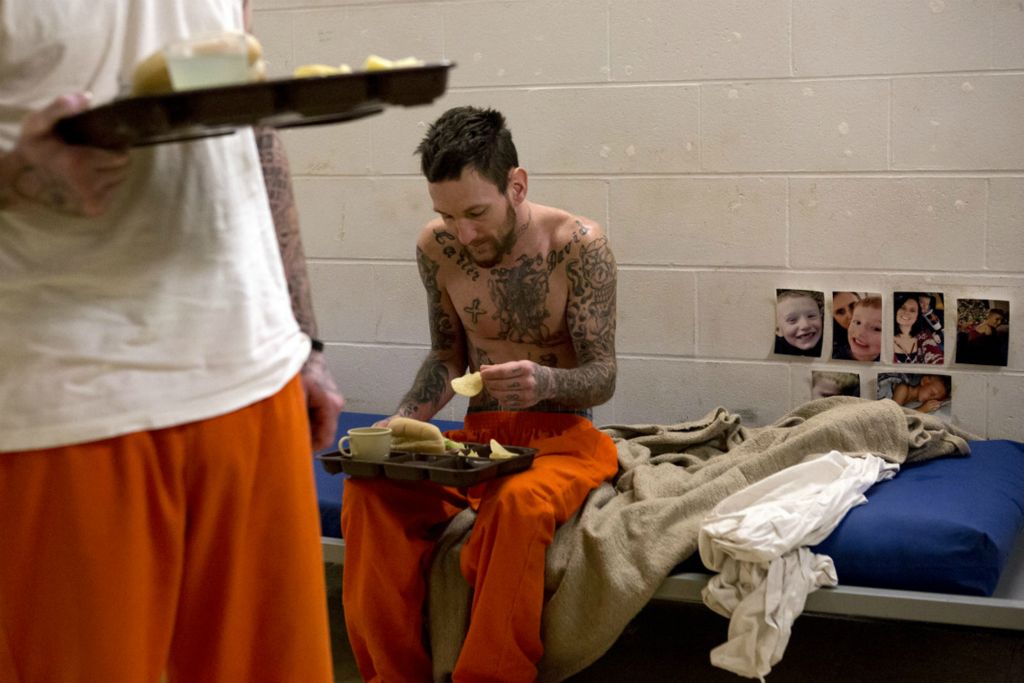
[171,307]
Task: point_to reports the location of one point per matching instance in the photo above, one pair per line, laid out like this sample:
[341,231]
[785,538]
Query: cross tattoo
[474,311]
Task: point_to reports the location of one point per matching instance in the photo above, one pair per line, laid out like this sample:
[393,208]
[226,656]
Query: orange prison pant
[391,527]
[193,550]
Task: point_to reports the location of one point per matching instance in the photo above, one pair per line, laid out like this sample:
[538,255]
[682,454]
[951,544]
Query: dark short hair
[468,136]
[919,326]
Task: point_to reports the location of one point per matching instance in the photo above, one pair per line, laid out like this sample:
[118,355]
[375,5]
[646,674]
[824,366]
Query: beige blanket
[607,561]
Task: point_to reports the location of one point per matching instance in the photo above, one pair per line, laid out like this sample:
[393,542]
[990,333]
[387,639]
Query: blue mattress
[946,525]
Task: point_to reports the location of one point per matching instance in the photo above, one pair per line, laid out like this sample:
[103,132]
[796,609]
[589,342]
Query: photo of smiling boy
[863,340]
[799,321]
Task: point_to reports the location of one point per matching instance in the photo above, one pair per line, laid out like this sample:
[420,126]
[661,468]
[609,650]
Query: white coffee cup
[368,443]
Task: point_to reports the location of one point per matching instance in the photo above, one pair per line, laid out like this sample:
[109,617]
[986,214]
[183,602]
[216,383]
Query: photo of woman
[842,312]
[915,339]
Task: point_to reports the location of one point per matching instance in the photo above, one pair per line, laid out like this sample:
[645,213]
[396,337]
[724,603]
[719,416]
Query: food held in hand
[469,384]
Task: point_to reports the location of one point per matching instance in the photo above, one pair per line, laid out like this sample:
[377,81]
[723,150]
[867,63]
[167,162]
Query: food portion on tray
[215,84]
[419,451]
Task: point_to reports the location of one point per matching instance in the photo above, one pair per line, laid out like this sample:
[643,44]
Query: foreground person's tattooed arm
[324,400]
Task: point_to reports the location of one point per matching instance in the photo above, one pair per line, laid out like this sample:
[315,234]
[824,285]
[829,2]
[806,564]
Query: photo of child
[799,321]
[863,340]
[834,384]
[982,331]
[926,393]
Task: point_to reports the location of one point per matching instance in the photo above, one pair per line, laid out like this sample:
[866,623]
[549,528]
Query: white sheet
[756,539]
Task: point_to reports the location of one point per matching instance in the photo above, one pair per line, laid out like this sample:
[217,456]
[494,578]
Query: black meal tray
[450,469]
[280,103]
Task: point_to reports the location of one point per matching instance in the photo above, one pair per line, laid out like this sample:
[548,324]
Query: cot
[940,543]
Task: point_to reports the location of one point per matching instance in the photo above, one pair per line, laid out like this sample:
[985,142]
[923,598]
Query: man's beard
[502,244]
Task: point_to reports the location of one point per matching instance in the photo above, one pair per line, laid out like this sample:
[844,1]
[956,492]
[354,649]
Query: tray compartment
[449,469]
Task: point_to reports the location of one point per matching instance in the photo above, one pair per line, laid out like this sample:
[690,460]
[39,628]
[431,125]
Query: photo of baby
[926,393]
[834,384]
[799,321]
[862,340]
[982,331]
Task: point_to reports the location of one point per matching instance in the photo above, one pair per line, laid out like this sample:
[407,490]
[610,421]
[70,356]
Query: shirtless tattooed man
[525,294]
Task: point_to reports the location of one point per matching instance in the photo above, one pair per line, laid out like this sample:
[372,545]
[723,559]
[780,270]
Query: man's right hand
[42,169]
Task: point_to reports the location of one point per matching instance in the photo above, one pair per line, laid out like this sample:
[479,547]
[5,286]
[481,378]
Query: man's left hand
[323,400]
[517,384]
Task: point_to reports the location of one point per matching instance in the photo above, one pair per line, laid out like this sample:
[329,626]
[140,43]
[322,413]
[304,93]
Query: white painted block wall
[730,147]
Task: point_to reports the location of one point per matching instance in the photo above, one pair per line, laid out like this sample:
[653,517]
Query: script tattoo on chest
[451,250]
[520,294]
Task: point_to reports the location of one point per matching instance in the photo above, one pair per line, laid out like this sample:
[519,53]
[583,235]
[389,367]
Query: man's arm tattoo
[277,178]
[431,389]
[591,316]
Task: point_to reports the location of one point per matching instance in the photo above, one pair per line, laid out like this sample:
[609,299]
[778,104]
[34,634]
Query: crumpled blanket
[607,561]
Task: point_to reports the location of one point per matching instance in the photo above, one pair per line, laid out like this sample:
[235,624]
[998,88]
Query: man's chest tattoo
[474,311]
[451,250]
[520,294]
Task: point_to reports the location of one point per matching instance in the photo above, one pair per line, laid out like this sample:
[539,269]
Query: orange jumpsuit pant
[391,527]
[192,550]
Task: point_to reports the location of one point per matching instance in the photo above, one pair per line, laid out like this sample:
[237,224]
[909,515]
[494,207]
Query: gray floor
[671,641]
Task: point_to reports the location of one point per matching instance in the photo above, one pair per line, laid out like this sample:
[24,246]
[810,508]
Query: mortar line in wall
[988,218]
[747,270]
[974,73]
[696,311]
[786,223]
[894,174]
[888,127]
[789,30]
[819,270]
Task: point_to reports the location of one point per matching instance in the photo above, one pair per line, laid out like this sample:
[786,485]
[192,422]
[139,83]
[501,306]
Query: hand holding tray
[280,103]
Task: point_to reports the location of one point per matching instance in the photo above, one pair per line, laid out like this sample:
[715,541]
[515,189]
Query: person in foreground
[157,505]
[525,294]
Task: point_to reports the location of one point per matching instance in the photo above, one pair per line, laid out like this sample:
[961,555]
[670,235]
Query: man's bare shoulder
[566,227]
[432,238]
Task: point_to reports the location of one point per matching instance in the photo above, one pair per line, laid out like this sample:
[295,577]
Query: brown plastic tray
[450,469]
[280,103]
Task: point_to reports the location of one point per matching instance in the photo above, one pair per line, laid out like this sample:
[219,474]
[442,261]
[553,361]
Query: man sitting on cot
[525,294]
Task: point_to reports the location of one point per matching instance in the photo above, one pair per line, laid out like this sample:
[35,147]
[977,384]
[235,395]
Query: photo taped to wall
[799,322]
[982,331]
[857,326]
[825,384]
[924,392]
[918,328]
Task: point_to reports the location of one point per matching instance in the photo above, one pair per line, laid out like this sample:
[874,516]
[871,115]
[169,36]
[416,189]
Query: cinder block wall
[729,146]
